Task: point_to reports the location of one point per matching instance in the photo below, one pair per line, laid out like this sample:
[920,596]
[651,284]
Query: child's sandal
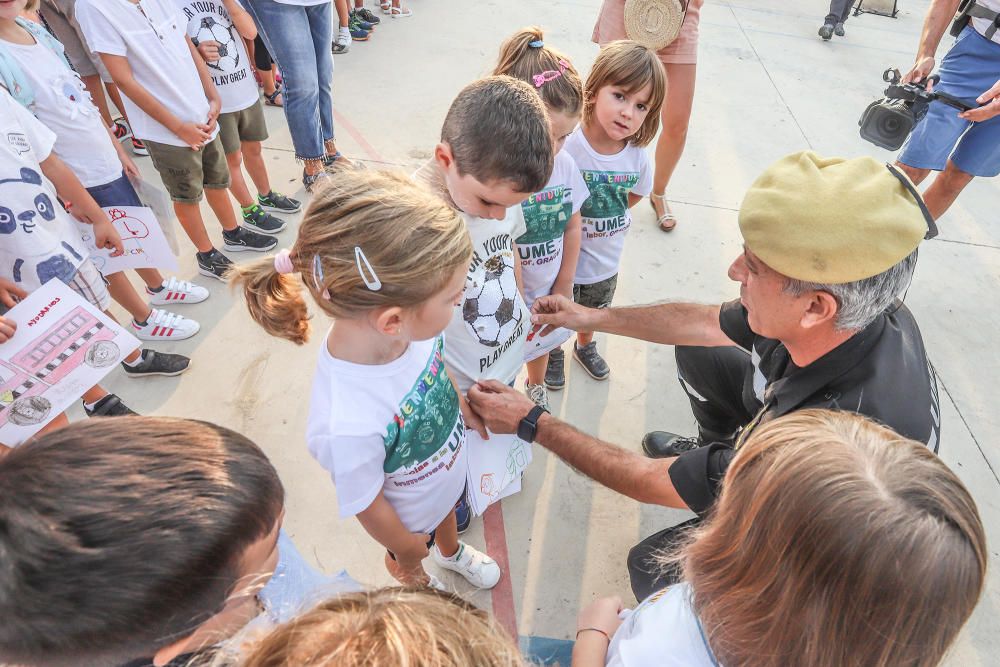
[272,99]
[400,12]
[668,220]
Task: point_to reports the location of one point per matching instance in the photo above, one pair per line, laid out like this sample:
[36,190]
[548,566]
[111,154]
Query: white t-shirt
[152,35]
[662,631]
[208,20]
[606,216]
[302,3]
[394,428]
[63,104]
[982,25]
[38,242]
[546,214]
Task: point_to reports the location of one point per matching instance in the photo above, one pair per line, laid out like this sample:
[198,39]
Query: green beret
[830,220]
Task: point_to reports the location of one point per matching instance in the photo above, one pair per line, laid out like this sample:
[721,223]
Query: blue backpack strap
[13,79]
[42,36]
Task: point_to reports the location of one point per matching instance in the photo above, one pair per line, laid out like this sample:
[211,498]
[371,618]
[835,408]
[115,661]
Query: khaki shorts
[597,295]
[91,285]
[239,126]
[61,17]
[186,172]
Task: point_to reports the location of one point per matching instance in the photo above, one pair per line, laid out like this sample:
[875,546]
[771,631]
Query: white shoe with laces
[478,569]
[177,291]
[164,325]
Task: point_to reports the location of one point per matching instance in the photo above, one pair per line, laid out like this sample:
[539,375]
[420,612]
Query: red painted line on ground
[496,547]
[341,121]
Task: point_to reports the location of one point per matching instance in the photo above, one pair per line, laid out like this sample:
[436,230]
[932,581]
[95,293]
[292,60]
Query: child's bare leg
[135,353]
[189,215]
[152,277]
[584,338]
[237,184]
[253,158]
[312,167]
[446,536]
[124,294]
[54,425]
[94,394]
[218,200]
[267,80]
[95,87]
[408,573]
[536,369]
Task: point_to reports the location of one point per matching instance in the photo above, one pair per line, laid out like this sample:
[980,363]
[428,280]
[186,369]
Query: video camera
[888,122]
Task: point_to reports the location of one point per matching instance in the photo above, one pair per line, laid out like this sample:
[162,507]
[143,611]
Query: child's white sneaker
[478,569]
[177,291]
[164,325]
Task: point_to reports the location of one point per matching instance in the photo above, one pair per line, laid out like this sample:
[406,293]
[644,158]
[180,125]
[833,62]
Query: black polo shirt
[882,372]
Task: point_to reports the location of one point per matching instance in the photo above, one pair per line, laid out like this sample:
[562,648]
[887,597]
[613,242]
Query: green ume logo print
[546,214]
[608,193]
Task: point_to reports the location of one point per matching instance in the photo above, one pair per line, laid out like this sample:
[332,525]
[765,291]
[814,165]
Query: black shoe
[214,264]
[838,30]
[661,444]
[591,360]
[275,202]
[826,32]
[365,15]
[157,363]
[256,219]
[555,370]
[239,239]
[109,406]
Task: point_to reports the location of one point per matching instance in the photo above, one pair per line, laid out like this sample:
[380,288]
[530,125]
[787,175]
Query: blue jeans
[299,39]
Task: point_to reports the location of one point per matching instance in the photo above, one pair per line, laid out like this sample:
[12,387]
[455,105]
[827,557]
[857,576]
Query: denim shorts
[118,192]
[970,68]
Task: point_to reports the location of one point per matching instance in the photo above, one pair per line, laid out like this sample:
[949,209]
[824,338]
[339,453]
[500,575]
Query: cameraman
[944,141]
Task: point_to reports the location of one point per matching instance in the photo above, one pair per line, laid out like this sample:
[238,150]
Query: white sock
[133,364]
[345,32]
[91,406]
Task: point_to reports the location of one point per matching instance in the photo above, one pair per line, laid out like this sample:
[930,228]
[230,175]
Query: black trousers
[713,379]
[839,11]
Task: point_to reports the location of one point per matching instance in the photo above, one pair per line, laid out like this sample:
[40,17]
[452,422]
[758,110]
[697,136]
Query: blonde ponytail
[274,300]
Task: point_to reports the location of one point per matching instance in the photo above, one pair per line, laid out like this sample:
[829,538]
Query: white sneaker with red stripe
[163,325]
[175,292]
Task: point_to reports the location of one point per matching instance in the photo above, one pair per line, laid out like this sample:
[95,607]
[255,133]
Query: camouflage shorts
[596,295]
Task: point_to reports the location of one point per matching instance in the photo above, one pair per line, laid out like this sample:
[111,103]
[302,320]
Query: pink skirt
[683,51]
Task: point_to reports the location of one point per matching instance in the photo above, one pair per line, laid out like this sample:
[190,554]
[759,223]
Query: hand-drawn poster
[144,242]
[62,347]
[495,467]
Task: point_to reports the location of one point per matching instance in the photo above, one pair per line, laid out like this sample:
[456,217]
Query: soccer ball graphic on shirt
[211,30]
[490,312]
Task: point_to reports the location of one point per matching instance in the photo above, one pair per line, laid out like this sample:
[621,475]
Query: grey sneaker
[157,363]
[109,406]
[275,202]
[838,30]
[662,444]
[538,395]
[214,264]
[826,32]
[591,360]
[256,219]
[555,370]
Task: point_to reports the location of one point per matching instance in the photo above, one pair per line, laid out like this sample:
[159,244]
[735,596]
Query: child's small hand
[417,549]
[193,135]
[472,420]
[10,293]
[601,614]
[214,107]
[128,166]
[209,50]
[7,328]
[106,236]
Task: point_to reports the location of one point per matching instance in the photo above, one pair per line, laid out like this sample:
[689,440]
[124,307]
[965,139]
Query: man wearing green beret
[829,247]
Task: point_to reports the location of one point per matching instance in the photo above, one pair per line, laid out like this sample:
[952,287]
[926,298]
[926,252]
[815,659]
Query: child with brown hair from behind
[387,628]
[835,542]
[387,261]
[549,250]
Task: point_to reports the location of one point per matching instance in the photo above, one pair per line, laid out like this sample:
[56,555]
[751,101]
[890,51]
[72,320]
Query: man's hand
[991,106]
[554,311]
[7,329]
[106,236]
[193,135]
[209,50]
[501,407]
[920,71]
[10,293]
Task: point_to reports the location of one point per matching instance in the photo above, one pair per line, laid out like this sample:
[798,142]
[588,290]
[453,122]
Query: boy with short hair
[217,28]
[156,557]
[173,107]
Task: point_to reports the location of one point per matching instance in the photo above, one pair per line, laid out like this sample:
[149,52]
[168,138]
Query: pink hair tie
[283,262]
[549,75]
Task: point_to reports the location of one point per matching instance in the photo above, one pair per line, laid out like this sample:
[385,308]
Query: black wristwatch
[526,429]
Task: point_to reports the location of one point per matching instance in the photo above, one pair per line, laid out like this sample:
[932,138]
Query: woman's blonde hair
[630,66]
[389,627]
[413,243]
[836,542]
[525,56]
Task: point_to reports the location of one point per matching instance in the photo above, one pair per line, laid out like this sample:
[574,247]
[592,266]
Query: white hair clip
[374,284]
[318,277]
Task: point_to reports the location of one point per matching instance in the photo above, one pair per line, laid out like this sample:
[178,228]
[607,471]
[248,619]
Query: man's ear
[443,155]
[167,653]
[821,309]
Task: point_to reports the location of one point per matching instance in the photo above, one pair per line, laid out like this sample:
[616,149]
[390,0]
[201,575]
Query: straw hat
[654,23]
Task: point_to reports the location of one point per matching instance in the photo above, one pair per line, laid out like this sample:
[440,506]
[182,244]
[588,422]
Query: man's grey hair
[860,302]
